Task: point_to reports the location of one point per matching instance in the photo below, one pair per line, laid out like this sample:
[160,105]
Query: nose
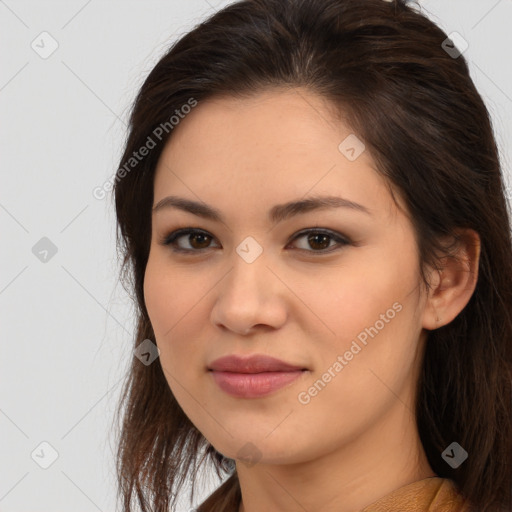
[250,296]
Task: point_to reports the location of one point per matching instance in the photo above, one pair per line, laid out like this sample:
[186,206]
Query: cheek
[374,326]
[169,293]
[353,298]
[368,369]
[171,300]
[157,295]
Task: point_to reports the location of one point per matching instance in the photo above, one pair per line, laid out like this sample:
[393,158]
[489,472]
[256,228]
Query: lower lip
[253,385]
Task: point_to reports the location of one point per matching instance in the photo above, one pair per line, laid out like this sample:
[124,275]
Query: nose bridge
[247,296]
[249,274]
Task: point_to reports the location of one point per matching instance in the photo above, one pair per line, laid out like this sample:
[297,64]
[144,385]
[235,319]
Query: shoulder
[429,495]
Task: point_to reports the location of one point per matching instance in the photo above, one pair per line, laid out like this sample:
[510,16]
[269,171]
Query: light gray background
[66,324]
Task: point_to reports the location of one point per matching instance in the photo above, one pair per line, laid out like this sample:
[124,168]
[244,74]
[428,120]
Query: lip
[254,376]
[256,363]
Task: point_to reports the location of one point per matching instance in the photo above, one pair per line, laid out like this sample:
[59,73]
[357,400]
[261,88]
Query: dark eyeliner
[169,239]
[341,240]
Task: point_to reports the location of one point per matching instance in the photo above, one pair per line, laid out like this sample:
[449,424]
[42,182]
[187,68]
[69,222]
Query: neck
[346,478]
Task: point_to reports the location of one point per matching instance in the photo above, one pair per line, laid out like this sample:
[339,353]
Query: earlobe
[453,284]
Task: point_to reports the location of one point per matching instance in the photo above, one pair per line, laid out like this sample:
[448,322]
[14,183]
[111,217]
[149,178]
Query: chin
[259,451]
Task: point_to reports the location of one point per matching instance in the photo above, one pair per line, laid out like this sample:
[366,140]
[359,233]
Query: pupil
[199,236]
[324,238]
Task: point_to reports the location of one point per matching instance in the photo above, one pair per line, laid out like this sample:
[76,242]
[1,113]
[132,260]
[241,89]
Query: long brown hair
[384,66]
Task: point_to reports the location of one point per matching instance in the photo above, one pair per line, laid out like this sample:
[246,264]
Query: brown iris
[319,238]
[204,240]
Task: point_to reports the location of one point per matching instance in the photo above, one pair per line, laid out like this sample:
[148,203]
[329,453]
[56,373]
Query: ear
[453,282]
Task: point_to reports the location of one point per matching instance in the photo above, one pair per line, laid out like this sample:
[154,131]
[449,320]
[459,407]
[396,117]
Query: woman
[312,214]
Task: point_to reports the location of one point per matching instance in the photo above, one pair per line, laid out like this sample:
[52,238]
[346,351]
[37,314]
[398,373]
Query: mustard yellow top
[429,495]
[433,494]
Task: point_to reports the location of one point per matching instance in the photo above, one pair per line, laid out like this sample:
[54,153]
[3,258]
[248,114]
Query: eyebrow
[276,214]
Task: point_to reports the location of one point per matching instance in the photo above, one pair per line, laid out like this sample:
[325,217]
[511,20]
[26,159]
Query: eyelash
[171,238]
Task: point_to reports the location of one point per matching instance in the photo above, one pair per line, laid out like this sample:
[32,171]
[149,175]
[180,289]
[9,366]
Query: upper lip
[252,364]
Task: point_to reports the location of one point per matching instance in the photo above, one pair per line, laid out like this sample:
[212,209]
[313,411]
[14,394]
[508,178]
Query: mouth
[253,377]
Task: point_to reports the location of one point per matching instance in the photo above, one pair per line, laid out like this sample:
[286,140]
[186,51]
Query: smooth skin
[301,301]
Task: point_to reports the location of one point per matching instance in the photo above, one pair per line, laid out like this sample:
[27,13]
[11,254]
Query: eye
[197,240]
[320,240]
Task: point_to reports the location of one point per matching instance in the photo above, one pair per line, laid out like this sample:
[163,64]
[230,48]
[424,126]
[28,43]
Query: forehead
[287,122]
[277,144]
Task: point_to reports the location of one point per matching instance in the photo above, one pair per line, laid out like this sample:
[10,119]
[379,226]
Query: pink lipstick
[254,376]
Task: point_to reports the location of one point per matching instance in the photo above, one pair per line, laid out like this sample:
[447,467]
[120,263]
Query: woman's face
[342,304]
